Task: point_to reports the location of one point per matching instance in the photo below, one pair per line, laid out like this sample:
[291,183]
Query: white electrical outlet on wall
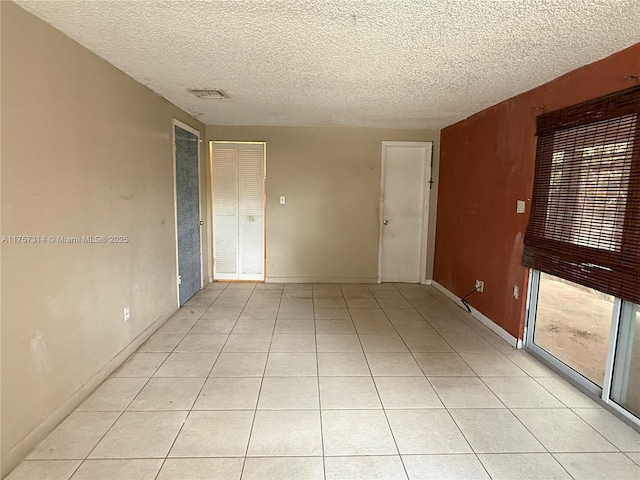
[127,314]
[480,286]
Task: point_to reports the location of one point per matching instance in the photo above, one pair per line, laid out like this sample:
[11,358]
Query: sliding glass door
[625,387]
[591,337]
[572,324]
[584,233]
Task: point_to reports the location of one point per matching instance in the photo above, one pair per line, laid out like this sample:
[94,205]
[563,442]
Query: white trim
[381,211]
[427,282]
[621,364]
[208,213]
[486,321]
[424,234]
[628,417]
[175,208]
[12,458]
[200,225]
[531,306]
[424,231]
[321,280]
[211,233]
[184,126]
[611,351]
[177,123]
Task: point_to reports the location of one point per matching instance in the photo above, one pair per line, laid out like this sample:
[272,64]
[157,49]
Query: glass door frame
[601,394]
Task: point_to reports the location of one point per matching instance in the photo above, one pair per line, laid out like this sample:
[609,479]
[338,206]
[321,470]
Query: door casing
[428,146]
[177,123]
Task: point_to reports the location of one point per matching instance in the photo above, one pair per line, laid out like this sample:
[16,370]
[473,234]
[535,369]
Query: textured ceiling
[383,63]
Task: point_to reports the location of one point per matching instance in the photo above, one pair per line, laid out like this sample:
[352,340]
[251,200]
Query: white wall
[328,229]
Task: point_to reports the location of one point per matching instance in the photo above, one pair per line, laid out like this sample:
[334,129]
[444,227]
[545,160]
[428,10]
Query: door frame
[177,123]
[538,351]
[264,206]
[424,230]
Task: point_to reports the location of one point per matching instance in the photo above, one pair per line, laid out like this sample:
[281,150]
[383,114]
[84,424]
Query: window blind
[584,224]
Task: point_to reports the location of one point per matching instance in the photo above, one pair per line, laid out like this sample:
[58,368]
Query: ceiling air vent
[209,93]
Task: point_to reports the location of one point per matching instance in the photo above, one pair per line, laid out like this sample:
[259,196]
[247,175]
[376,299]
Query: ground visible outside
[573,324]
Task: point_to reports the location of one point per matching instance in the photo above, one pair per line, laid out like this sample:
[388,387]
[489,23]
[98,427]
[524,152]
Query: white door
[404,207]
[237,171]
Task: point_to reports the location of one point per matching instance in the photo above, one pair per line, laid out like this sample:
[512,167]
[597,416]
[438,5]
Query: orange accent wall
[486,165]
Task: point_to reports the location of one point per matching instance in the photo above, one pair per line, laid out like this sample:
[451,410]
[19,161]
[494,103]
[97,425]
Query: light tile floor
[303,382]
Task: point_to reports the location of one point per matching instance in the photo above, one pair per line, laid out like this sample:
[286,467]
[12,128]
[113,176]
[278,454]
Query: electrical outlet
[516,292]
[480,286]
[127,314]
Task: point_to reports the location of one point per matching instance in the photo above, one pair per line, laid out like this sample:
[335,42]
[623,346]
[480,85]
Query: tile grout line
[315,336]
[264,372]
[166,457]
[476,454]
[429,381]
[125,410]
[483,380]
[201,388]
[384,410]
[438,395]
[128,404]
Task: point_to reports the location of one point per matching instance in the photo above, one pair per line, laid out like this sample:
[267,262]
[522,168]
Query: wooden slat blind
[585,211]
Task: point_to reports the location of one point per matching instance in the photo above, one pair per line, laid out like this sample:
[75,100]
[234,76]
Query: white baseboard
[14,456]
[321,280]
[428,282]
[486,321]
[328,280]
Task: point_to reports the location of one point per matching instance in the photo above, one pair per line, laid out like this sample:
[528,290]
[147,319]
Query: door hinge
[431,175]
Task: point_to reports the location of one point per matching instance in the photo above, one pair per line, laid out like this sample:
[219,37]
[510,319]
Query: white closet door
[238,211]
[251,212]
[225,212]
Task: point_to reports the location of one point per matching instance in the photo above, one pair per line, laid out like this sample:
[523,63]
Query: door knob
[200,223]
[385,222]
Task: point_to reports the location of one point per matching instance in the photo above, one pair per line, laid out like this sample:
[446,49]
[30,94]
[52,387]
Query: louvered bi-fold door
[238,211]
